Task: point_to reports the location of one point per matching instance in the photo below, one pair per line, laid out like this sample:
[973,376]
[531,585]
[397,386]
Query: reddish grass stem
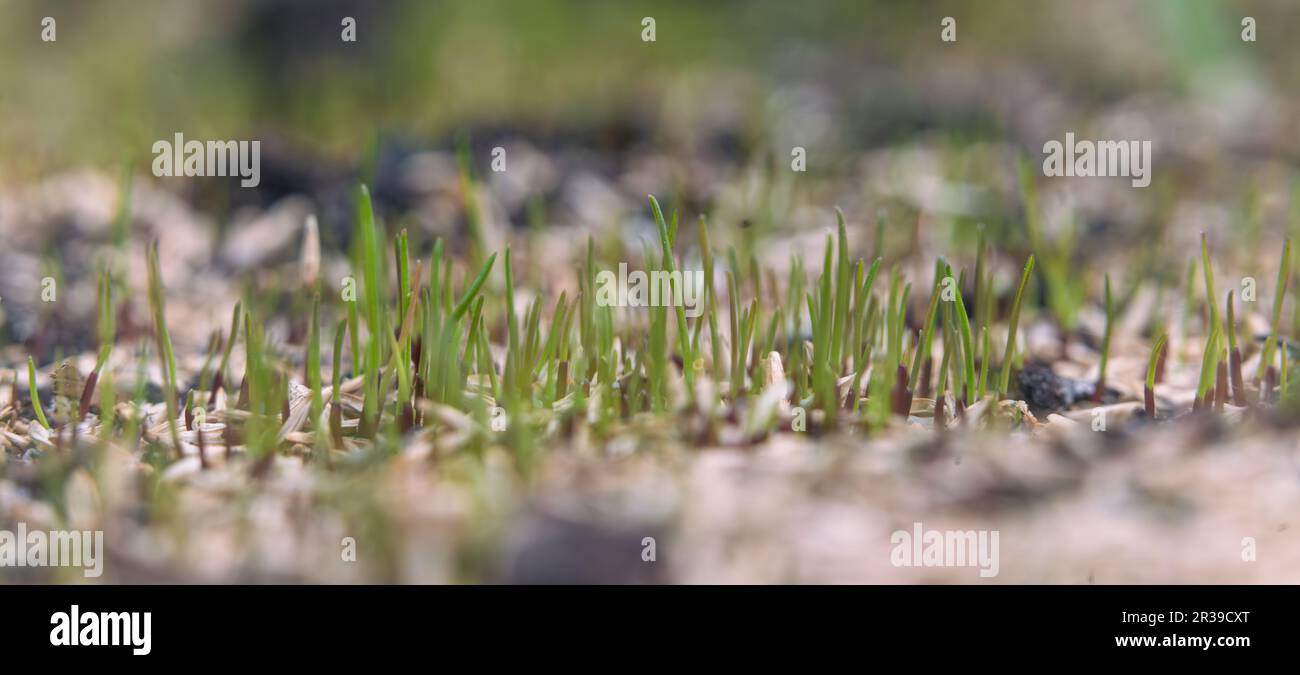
[1220,386]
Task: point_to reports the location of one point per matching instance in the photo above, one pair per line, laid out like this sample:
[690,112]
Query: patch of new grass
[1013,325]
[422,343]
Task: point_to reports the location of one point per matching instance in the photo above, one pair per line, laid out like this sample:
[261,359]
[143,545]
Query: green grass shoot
[1013,326]
[1270,342]
[34,394]
[166,356]
[1105,341]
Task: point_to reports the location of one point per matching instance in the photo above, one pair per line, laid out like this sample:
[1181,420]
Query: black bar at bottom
[333,624]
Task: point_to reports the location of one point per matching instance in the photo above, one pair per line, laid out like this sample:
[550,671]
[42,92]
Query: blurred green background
[124,73]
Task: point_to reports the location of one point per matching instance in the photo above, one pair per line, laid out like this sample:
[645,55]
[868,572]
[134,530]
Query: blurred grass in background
[125,73]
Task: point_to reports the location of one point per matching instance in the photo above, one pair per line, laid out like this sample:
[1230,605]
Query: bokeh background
[727,86]
[734,76]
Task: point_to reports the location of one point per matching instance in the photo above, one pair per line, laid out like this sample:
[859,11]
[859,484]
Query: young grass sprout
[166,357]
[445,367]
[1209,367]
[1013,327]
[34,394]
[1099,390]
[1150,388]
[1270,343]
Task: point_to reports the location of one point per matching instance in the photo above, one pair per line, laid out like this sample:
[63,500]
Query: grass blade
[1013,326]
[35,396]
[1270,343]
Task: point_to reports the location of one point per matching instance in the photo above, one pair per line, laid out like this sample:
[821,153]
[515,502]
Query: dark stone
[1047,392]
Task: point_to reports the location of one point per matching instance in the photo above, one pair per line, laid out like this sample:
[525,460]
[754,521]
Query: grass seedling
[861,316]
[967,345]
[313,367]
[132,425]
[1150,389]
[470,197]
[842,280]
[166,357]
[35,395]
[402,255]
[512,386]
[666,238]
[399,361]
[1209,365]
[897,374]
[1100,389]
[1270,343]
[1293,231]
[711,308]
[354,334]
[405,416]
[1064,290]
[1220,381]
[1013,326]
[106,331]
[516,385]
[122,217]
[107,403]
[985,349]
[1189,294]
[941,390]
[371,274]
[918,379]
[336,381]
[1210,295]
[443,381]
[467,299]
[205,373]
[981,299]
[219,378]
[1282,378]
[1234,356]
[737,320]
[261,426]
[829,310]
